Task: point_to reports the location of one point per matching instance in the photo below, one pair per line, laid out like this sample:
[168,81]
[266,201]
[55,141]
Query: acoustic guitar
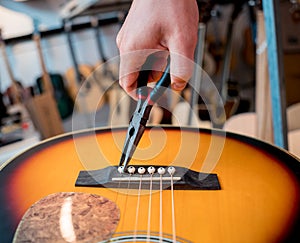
[108,71]
[106,74]
[15,91]
[185,185]
[53,82]
[83,88]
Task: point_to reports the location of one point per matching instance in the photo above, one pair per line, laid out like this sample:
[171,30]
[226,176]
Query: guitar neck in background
[46,80]
[16,95]
[68,30]
[43,107]
[95,25]
[47,85]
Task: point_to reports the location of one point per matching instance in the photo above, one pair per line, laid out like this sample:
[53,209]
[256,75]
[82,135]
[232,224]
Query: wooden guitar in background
[84,90]
[107,75]
[16,91]
[110,71]
[54,82]
[43,108]
[252,195]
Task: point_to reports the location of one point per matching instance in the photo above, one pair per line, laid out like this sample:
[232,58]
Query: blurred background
[53,81]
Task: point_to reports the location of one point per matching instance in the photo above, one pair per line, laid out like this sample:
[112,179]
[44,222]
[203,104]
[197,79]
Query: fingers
[156,31]
[181,69]
[132,63]
[158,66]
[182,64]
[182,59]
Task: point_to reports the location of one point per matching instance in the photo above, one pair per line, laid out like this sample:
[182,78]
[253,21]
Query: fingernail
[178,86]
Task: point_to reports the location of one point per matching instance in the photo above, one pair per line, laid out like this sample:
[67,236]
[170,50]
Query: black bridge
[182,178]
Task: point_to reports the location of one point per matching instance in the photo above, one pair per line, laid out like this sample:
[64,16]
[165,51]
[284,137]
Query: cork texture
[69,217]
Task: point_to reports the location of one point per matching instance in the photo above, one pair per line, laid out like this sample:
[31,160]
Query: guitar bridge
[141,177]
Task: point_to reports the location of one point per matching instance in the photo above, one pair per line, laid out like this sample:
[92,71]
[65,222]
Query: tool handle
[162,84]
[142,81]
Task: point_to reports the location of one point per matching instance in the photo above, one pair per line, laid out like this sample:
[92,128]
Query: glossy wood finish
[258,202]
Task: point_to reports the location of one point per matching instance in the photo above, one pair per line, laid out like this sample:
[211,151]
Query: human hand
[160,28]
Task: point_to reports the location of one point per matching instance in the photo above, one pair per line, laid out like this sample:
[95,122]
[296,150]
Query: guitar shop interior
[59,71]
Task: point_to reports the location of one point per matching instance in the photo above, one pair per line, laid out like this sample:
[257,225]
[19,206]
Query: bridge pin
[141,170]
[161,170]
[121,169]
[151,170]
[131,169]
[171,170]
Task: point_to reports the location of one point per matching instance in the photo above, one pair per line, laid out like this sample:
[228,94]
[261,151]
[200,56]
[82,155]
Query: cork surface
[69,217]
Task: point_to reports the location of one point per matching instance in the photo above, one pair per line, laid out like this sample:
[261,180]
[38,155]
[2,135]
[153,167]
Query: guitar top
[252,195]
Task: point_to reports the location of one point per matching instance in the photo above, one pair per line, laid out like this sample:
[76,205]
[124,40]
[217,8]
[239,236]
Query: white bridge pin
[161,170]
[121,169]
[141,170]
[151,170]
[131,169]
[171,170]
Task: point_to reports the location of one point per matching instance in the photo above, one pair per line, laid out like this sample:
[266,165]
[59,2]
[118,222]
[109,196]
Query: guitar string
[173,211]
[160,238]
[126,196]
[149,209]
[160,211]
[127,192]
[137,208]
[122,213]
[118,194]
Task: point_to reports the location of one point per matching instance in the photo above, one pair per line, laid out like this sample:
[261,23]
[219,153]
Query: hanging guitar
[107,70]
[15,92]
[84,90]
[53,83]
[194,186]
[119,102]
[43,107]
[106,74]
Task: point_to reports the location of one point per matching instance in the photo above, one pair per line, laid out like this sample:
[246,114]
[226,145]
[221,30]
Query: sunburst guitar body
[253,194]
